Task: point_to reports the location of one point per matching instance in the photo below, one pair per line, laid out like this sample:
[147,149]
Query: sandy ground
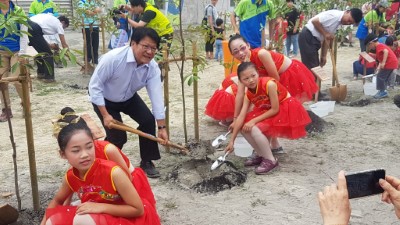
[361,138]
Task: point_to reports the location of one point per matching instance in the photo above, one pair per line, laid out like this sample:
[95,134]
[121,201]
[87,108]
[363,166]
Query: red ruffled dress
[139,178]
[221,105]
[97,187]
[297,78]
[289,122]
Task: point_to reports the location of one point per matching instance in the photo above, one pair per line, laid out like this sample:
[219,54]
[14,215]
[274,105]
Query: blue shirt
[12,41]
[117,78]
[253,16]
[88,5]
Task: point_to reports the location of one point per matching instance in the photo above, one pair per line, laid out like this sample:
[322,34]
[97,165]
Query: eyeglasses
[241,49]
[147,48]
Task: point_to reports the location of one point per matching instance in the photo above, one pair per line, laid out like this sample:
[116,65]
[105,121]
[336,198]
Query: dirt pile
[195,173]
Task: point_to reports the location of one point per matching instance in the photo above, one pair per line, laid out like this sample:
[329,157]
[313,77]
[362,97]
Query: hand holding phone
[334,202]
[364,183]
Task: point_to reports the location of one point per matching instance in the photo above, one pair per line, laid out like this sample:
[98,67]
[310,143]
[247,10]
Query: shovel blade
[218,140]
[338,93]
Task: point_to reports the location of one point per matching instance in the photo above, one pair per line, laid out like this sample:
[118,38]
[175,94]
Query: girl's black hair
[380,14]
[244,66]
[73,126]
[390,40]
[235,37]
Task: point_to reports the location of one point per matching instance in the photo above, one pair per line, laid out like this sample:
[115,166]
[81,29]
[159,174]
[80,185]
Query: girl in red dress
[275,114]
[221,105]
[108,151]
[104,188]
[291,73]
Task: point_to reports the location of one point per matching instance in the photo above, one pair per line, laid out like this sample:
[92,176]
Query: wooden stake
[164,72]
[103,35]
[85,48]
[3,86]
[195,93]
[29,136]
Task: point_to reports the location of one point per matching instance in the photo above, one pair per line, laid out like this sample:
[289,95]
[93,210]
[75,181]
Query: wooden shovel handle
[120,126]
[335,76]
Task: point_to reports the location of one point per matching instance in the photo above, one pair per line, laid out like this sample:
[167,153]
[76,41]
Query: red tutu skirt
[289,122]
[221,105]
[64,215]
[142,186]
[299,81]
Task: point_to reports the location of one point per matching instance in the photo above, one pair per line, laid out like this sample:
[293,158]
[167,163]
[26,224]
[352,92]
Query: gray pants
[382,79]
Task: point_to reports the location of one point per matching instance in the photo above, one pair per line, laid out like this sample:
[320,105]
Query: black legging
[92,43]
[45,63]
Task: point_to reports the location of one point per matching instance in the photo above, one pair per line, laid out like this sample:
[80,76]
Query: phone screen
[364,183]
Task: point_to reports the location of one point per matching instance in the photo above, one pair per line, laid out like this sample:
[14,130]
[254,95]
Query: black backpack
[204,21]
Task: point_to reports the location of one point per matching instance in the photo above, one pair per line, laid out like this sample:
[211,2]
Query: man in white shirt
[114,87]
[320,31]
[46,24]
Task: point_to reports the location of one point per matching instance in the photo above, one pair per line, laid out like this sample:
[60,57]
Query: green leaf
[14,67]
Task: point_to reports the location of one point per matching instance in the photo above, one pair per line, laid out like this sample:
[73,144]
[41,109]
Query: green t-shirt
[372,17]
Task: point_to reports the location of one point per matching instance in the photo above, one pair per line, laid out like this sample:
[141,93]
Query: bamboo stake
[3,86]
[164,71]
[29,137]
[103,35]
[84,47]
[195,93]
[12,79]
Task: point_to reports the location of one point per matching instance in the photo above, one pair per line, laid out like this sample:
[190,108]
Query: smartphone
[364,183]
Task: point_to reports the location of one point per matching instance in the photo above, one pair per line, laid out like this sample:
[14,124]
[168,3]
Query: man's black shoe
[149,169]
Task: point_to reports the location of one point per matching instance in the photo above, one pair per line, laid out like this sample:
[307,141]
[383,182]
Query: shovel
[220,160]
[220,139]
[115,124]
[339,91]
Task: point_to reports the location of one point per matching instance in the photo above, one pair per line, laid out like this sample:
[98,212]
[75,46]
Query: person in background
[281,26]
[113,92]
[387,63]
[121,23]
[319,33]
[151,17]
[358,66]
[371,23]
[91,10]
[211,14]
[219,37]
[46,24]
[334,201]
[393,44]
[252,16]
[43,6]
[293,20]
[11,47]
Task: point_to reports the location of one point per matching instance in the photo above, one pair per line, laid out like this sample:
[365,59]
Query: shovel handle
[123,127]
[335,76]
